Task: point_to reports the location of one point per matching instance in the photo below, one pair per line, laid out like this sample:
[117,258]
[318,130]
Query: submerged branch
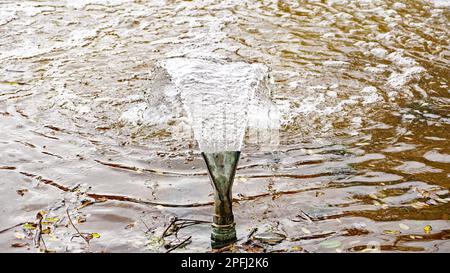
[179,245]
[73,225]
[9,228]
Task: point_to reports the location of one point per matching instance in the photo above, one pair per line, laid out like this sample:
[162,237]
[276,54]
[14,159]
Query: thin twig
[39,237]
[179,245]
[145,224]
[6,229]
[252,232]
[306,216]
[167,229]
[43,243]
[79,233]
[193,220]
[313,236]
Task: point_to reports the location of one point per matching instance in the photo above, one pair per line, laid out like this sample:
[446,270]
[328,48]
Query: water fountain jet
[218,97]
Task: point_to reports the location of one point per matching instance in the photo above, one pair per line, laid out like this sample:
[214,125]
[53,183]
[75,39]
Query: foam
[440,3]
[80,4]
[217,98]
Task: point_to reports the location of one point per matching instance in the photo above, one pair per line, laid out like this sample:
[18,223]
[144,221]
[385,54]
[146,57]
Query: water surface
[361,88]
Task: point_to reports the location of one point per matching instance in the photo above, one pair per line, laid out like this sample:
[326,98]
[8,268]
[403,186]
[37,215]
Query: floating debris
[271,238]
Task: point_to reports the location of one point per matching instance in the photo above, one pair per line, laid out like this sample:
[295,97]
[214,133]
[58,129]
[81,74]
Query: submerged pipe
[221,169]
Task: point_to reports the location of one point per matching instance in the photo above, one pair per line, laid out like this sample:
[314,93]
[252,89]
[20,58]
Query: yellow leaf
[51,219]
[95,235]
[42,212]
[46,231]
[9,83]
[29,226]
[19,235]
[419,205]
[394,232]
[297,248]
[427,229]
[373,196]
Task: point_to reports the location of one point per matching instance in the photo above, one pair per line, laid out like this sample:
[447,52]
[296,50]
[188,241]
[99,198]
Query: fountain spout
[221,169]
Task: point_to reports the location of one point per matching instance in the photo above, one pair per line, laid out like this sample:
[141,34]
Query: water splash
[218,98]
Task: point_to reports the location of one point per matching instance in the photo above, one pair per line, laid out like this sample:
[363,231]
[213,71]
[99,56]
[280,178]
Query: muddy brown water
[363,160]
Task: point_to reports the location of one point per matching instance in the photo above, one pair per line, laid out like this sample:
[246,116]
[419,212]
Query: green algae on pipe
[221,169]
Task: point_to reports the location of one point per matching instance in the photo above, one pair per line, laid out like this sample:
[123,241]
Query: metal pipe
[221,169]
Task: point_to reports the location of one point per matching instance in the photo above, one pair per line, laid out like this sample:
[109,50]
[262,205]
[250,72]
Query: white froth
[441,3]
[79,4]
[217,97]
[398,80]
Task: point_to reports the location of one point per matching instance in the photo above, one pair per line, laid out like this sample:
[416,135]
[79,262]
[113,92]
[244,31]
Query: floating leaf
[362,144]
[271,238]
[373,196]
[419,205]
[19,244]
[331,244]
[19,235]
[394,232]
[46,231]
[52,219]
[297,248]
[11,83]
[427,229]
[29,226]
[403,226]
[306,231]
[40,214]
